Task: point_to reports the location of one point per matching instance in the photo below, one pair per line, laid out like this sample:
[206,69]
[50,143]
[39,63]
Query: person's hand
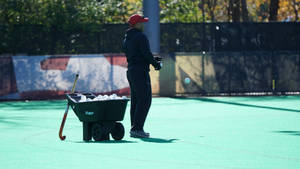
[158,62]
[158,66]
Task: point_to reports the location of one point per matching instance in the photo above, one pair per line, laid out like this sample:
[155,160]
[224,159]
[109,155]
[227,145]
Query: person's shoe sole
[136,135]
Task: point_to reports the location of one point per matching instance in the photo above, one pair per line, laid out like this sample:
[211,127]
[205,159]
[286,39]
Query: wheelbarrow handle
[62,125]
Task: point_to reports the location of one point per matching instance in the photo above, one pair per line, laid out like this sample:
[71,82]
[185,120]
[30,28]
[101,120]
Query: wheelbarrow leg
[87,131]
[107,126]
[105,136]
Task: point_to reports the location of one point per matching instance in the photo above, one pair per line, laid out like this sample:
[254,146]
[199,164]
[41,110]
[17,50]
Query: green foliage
[58,12]
[70,12]
[180,11]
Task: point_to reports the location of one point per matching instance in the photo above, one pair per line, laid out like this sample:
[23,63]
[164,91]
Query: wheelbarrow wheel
[97,132]
[118,131]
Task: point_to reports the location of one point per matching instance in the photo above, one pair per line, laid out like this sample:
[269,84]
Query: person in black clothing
[139,57]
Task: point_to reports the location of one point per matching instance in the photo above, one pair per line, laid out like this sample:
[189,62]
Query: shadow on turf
[35,105]
[13,120]
[158,140]
[293,133]
[240,104]
[107,142]
[152,140]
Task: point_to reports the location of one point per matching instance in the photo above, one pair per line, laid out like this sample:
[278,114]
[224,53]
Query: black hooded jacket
[137,50]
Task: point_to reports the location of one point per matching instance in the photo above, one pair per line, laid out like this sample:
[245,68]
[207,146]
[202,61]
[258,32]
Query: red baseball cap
[134,19]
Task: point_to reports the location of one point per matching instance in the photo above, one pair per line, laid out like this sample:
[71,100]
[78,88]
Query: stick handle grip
[74,84]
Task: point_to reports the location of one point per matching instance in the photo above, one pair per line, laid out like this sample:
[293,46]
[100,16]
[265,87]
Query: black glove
[158,59]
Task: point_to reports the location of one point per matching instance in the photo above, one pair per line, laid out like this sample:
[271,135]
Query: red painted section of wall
[116,59]
[42,95]
[55,63]
[121,92]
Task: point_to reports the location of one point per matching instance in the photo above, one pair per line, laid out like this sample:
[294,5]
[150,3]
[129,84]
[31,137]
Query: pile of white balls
[101,98]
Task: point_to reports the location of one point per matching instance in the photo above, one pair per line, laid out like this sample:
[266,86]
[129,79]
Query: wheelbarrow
[100,118]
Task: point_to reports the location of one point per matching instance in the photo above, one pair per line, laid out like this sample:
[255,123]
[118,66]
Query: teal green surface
[213,133]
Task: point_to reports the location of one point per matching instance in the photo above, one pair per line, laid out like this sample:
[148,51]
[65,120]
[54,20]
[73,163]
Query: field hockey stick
[66,112]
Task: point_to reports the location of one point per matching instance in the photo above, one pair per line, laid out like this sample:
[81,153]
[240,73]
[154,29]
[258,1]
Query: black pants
[141,97]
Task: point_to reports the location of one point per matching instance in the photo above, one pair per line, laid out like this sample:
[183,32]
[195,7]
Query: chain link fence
[175,37]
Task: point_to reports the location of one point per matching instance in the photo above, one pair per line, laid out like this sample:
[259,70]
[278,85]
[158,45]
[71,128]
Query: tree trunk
[236,13]
[213,10]
[195,13]
[245,13]
[229,10]
[295,10]
[212,6]
[273,12]
[201,6]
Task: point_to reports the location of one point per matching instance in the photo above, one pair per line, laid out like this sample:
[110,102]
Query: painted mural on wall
[51,76]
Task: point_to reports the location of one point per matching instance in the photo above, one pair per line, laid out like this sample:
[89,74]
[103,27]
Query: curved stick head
[62,137]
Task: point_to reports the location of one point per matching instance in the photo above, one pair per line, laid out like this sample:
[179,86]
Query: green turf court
[209,132]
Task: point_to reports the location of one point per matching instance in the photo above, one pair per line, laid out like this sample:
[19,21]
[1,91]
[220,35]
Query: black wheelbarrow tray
[100,118]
